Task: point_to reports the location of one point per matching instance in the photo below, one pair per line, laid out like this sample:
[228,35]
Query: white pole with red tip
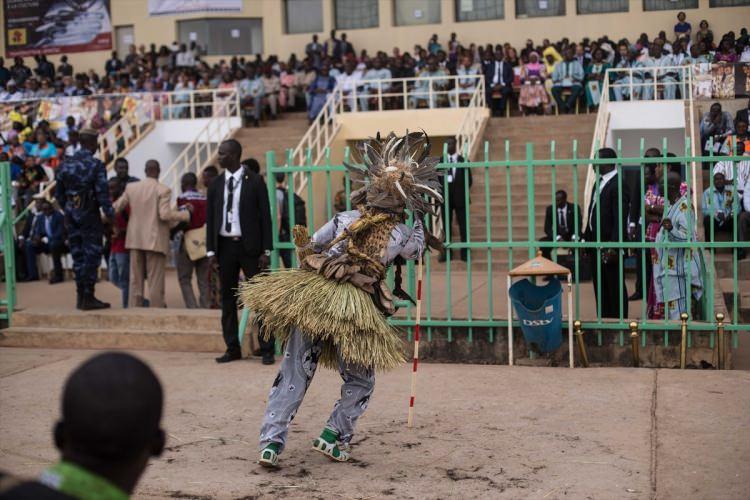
[415,363]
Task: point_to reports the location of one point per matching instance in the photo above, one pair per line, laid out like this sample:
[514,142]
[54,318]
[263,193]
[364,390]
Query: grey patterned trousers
[295,374]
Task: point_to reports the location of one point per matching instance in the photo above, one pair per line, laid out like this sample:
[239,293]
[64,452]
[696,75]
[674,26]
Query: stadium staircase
[275,135]
[536,130]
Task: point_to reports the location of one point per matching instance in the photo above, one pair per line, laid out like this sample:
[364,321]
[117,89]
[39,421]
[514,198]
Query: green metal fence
[8,302]
[492,252]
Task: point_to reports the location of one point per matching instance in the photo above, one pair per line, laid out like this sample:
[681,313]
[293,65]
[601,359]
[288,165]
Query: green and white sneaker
[326,444]
[269,456]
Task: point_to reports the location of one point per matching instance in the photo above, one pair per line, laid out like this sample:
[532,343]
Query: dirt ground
[481,431]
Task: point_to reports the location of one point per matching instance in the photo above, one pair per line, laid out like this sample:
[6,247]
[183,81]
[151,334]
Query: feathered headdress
[396,173]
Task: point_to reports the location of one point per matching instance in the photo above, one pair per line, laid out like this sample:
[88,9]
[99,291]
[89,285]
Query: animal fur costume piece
[338,295]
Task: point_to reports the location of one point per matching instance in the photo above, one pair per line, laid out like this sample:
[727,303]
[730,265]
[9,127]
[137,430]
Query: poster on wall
[56,26]
[166,7]
[721,81]
[742,79]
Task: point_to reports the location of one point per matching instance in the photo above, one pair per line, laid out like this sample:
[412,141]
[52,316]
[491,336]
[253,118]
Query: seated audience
[665,78]
[728,168]
[421,93]
[251,91]
[376,72]
[350,84]
[741,134]
[743,114]
[567,77]
[271,89]
[47,237]
[498,79]
[42,151]
[467,82]
[533,96]
[595,72]
[715,127]
[718,207]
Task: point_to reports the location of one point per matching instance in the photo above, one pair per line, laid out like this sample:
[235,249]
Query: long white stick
[410,418]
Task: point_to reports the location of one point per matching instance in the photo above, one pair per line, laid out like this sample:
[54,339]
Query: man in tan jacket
[147,238]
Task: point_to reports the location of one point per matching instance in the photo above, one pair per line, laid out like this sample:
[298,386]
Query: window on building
[223,36]
[479,10]
[303,16]
[669,4]
[728,3]
[601,6]
[411,12]
[354,14]
[540,8]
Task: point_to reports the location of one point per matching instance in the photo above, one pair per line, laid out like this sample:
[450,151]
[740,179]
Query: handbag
[195,243]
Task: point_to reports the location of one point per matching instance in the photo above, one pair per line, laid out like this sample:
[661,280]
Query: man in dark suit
[611,220]
[47,236]
[742,114]
[498,77]
[565,214]
[238,236]
[456,199]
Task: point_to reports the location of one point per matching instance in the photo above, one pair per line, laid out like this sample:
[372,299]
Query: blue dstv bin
[539,309]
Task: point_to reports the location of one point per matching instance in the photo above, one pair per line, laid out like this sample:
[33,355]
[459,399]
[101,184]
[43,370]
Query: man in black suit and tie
[238,235]
[565,214]
[456,200]
[611,220]
[498,77]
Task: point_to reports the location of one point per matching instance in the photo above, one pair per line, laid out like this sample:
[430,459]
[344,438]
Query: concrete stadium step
[129,319]
[273,135]
[724,264]
[136,328]
[518,131]
[743,298]
[84,338]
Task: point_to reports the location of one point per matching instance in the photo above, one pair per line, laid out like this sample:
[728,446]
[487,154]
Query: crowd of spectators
[565,73]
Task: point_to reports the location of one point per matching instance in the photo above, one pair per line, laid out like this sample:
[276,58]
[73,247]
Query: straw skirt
[342,317]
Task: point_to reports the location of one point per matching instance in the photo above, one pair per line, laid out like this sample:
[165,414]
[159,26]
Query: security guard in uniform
[82,191]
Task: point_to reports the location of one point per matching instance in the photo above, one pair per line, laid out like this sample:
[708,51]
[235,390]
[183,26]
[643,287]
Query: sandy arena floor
[481,432]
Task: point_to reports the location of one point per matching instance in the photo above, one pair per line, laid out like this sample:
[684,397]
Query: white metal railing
[640,84]
[359,95]
[206,143]
[312,147]
[646,83]
[471,126]
[189,104]
[116,142]
[162,105]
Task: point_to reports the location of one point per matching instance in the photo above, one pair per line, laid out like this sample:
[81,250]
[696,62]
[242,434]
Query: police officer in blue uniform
[82,192]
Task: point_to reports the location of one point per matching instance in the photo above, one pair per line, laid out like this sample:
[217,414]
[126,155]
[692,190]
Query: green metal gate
[501,252]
